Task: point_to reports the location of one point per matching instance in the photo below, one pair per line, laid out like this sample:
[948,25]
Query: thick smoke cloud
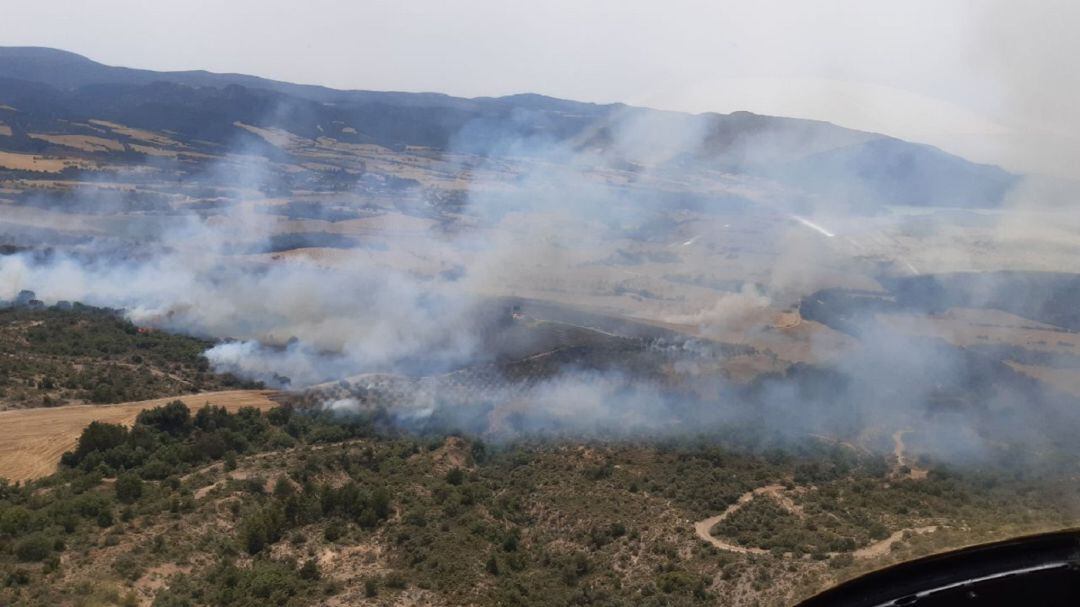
[301,323]
[314,324]
[296,323]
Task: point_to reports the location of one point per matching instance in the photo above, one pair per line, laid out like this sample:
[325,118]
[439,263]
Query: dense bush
[227,585]
[129,488]
[34,547]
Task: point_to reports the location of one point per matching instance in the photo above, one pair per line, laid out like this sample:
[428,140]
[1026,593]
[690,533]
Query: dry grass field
[966,327]
[32,440]
[1066,379]
[86,143]
[148,136]
[30,162]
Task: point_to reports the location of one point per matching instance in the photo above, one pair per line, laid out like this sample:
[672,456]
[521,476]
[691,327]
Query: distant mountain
[52,89]
[65,70]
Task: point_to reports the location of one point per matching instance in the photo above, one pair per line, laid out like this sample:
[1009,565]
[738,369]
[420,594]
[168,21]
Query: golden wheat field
[32,440]
[31,162]
[86,143]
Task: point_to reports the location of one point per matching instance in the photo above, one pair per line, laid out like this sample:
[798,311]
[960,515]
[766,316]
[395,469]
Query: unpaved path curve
[703,528]
[902,460]
[32,440]
[882,547]
[899,447]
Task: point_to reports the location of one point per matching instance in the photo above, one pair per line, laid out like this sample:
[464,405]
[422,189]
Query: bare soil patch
[86,143]
[30,162]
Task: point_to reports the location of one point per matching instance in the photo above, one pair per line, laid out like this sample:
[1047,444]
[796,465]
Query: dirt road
[882,547]
[899,447]
[32,440]
[902,460]
[703,529]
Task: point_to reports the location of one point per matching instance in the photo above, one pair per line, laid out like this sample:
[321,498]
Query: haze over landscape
[347,346]
[988,80]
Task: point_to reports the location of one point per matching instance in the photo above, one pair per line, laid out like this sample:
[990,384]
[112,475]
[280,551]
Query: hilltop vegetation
[292,508]
[65,355]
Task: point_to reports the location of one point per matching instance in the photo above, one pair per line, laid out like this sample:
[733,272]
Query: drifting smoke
[293,320]
[536,220]
[732,310]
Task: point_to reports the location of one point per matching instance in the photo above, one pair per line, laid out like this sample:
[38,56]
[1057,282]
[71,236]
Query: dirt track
[703,529]
[32,440]
[902,460]
[882,547]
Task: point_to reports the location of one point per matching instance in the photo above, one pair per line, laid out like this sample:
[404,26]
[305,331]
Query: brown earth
[30,162]
[882,547]
[86,143]
[32,440]
[148,136]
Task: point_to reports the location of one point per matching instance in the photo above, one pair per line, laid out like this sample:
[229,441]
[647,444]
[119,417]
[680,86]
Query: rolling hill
[50,93]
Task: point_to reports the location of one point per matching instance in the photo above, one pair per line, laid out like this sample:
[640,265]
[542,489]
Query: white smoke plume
[536,226]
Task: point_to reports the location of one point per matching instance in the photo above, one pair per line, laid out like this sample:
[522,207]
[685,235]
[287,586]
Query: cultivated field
[86,143]
[30,162]
[32,440]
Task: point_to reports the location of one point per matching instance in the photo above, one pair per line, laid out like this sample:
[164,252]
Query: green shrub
[33,548]
[129,488]
[455,476]
[310,570]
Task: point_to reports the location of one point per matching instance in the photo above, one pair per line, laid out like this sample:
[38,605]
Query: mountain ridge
[58,90]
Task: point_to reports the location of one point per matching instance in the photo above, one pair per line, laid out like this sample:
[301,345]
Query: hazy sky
[993,80]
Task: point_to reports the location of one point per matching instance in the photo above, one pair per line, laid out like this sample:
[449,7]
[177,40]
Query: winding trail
[900,452]
[899,447]
[703,528]
[882,547]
